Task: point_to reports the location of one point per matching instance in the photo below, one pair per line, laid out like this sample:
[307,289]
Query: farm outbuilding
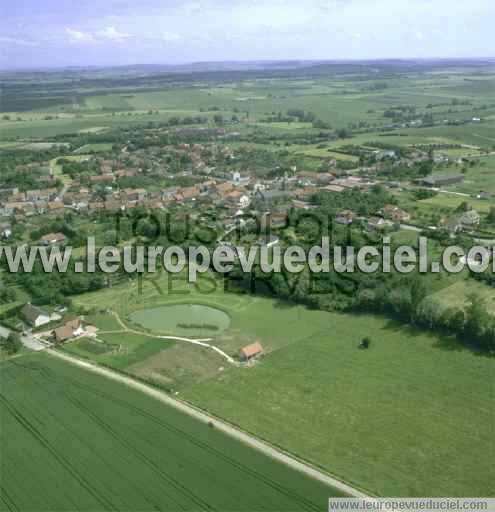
[251,351]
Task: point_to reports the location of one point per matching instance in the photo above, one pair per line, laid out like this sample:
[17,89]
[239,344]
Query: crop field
[109,447]
[338,100]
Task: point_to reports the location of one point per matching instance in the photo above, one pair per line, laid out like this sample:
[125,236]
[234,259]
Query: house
[306,193]
[53,239]
[484,195]
[470,219]
[271,196]
[62,333]
[251,352]
[345,217]
[70,329]
[325,178]
[223,188]
[442,180]
[302,205]
[378,223]
[395,213]
[5,231]
[96,206]
[102,178]
[240,181]
[35,316]
[55,206]
[382,154]
[190,193]
[112,205]
[333,188]
[135,194]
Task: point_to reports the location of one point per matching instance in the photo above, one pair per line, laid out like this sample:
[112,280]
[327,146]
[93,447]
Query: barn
[251,352]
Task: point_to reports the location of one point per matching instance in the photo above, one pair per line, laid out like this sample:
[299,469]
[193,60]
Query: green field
[454,201]
[119,349]
[391,419]
[455,295]
[413,416]
[72,440]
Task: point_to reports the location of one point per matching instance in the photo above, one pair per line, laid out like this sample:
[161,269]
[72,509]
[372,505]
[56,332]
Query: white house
[35,316]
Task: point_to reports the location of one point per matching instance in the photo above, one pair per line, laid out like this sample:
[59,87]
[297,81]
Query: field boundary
[220,424]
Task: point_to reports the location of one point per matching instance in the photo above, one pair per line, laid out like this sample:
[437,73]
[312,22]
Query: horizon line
[68,67]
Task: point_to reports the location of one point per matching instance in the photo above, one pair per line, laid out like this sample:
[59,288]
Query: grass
[104,322]
[443,200]
[391,419]
[103,446]
[96,147]
[456,294]
[118,350]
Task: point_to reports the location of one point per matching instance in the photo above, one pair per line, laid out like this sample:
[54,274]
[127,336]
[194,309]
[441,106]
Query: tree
[365,343]
[218,119]
[477,317]
[12,344]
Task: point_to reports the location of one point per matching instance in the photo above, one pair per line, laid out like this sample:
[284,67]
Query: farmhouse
[35,316]
[395,213]
[70,329]
[251,352]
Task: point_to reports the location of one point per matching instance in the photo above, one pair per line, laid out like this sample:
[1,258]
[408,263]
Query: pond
[183,320]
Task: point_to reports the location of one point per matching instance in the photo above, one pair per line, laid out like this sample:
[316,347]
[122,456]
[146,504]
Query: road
[228,429]
[33,343]
[28,340]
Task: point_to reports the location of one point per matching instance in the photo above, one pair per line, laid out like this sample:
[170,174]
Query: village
[107,188]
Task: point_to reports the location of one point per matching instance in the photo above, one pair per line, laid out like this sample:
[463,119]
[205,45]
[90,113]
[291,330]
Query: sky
[60,33]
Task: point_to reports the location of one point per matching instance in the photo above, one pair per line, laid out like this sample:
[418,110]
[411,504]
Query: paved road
[220,425]
[28,340]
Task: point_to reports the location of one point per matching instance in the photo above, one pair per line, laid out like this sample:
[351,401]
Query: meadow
[72,440]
